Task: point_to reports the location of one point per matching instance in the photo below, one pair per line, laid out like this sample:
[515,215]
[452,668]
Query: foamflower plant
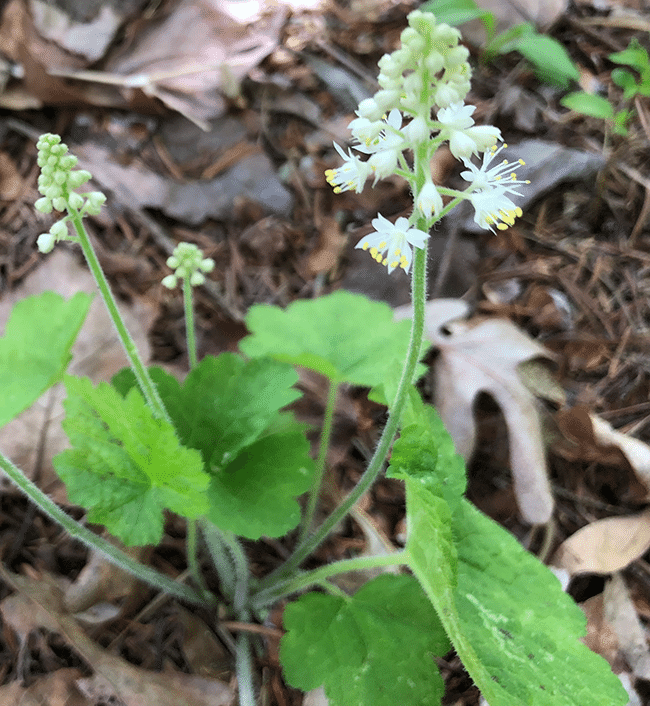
[222,449]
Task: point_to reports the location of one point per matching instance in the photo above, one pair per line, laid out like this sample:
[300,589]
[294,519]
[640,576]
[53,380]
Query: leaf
[483,356]
[515,630]
[589,104]
[344,336]
[457,12]
[425,450]
[374,649]
[605,546]
[257,458]
[551,60]
[35,350]
[126,466]
[256,493]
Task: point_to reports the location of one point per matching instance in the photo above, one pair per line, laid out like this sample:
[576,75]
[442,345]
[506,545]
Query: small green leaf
[588,104]
[551,60]
[457,12]
[344,336]
[627,82]
[374,649]
[35,350]
[126,466]
[635,56]
[620,122]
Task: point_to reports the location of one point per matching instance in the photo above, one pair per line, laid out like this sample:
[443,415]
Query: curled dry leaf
[595,440]
[605,546]
[484,356]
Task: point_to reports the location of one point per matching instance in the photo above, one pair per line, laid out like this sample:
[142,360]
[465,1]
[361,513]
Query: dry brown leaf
[56,689]
[635,451]
[100,581]
[605,546]
[136,186]
[592,439]
[113,675]
[600,637]
[484,356]
[198,49]
[89,36]
[621,614]
[11,183]
[331,244]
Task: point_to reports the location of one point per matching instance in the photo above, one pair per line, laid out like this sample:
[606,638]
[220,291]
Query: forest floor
[573,274]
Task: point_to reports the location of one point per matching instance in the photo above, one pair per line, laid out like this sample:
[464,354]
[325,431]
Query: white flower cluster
[188,262]
[428,75]
[56,183]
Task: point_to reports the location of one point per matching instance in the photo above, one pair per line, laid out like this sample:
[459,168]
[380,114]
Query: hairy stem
[93,541]
[190,333]
[145,382]
[266,597]
[325,438]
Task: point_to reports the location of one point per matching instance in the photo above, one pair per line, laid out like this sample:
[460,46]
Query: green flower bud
[43,205]
[75,201]
[59,203]
[45,242]
[170,282]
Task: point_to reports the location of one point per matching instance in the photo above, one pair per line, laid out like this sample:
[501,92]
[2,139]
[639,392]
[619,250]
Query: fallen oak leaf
[605,546]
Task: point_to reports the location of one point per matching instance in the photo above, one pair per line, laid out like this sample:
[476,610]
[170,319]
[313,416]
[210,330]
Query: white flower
[429,201]
[489,190]
[494,208]
[352,175]
[483,178]
[391,244]
[465,138]
[386,147]
[390,138]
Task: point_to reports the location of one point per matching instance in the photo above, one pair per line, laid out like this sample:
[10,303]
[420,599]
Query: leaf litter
[568,279]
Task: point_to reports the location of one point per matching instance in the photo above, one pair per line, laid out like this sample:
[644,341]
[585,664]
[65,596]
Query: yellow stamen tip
[502,226]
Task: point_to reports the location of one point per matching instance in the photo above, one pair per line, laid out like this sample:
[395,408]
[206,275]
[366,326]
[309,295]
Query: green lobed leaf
[257,457]
[373,649]
[551,60]
[126,466]
[256,494]
[513,627]
[344,336]
[589,104]
[35,350]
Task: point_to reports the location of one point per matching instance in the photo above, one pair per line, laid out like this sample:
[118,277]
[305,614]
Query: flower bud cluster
[57,183]
[188,262]
[431,68]
[428,76]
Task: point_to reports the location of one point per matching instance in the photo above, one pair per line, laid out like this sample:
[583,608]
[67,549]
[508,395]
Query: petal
[485,136]
[383,225]
[416,237]
[461,144]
